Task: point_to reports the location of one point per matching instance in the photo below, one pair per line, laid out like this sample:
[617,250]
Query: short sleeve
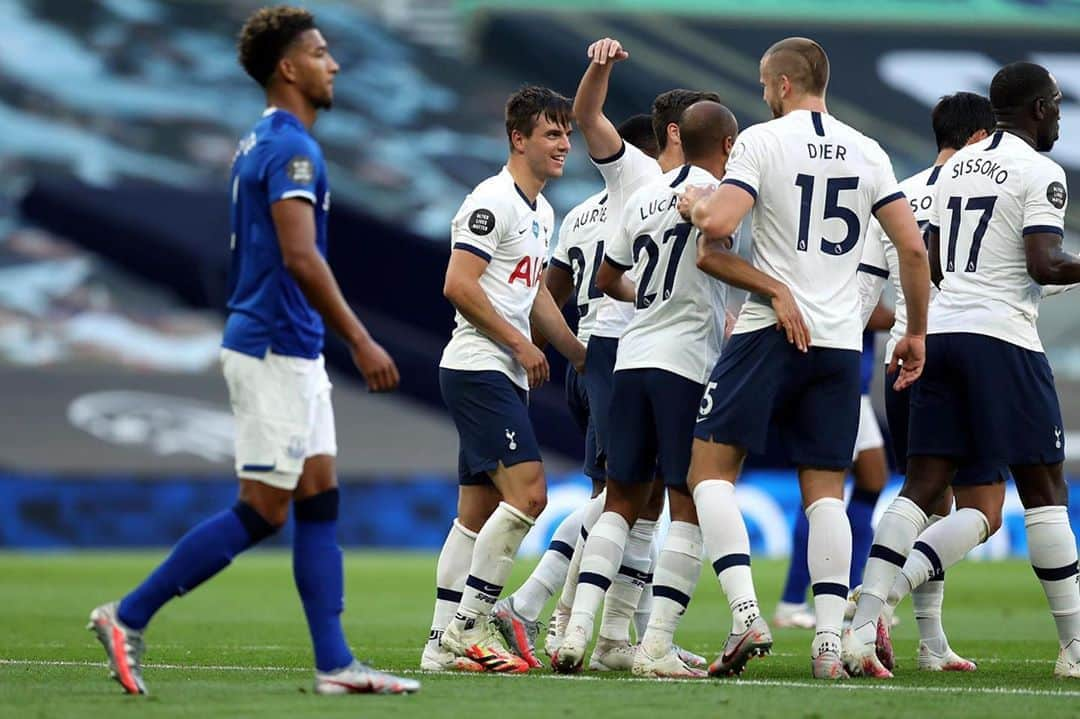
[625,172]
[1045,200]
[292,168]
[886,188]
[560,257]
[478,225]
[747,160]
[618,250]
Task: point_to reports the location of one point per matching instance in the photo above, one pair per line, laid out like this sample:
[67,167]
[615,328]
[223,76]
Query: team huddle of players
[650,262]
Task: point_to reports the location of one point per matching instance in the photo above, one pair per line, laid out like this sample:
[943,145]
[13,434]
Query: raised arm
[600,134]
[462,288]
[294,224]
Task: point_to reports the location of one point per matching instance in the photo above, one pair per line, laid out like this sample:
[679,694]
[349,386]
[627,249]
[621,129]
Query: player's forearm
[729,267]
[548,321]
[469,298]
[1058,268]
[312,274]
[614,283]
[600,134]
[915,282]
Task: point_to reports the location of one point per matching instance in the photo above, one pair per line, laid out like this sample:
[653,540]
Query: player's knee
[258,525]
[993,520]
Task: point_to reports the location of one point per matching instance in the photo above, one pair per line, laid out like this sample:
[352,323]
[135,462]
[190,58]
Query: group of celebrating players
[668,416]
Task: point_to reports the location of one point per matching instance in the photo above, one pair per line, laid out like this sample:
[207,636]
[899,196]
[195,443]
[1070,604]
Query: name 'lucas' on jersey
[679,310]
[499,224]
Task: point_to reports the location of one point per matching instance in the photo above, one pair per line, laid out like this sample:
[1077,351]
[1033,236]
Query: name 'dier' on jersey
[679,310]
[498,223]
[580,252]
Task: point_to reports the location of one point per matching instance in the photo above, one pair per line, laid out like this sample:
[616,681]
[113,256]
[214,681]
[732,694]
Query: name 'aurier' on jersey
[580,252]
[498,223]
[678,317]
[816,182]
[277,160]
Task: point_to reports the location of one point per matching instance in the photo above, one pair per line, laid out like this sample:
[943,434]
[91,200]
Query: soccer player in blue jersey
[281,292]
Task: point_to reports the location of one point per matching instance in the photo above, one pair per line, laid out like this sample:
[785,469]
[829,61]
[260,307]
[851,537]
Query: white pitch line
[856,685]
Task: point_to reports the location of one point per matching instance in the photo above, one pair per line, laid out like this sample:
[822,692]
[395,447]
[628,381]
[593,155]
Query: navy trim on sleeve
[610,159]
[475,250]
[616,265]
[1041,229]
[741,185]
[886,200]
[872,270]
[561,265]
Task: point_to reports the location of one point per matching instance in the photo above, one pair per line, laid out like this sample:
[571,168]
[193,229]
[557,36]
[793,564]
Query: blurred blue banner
[42,512]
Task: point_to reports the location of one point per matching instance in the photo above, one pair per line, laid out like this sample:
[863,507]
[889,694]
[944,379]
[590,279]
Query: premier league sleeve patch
[1056,195]
[482,222]
[301,170]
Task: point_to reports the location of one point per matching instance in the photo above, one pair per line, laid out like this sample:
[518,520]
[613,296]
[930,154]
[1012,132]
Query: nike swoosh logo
[699,420]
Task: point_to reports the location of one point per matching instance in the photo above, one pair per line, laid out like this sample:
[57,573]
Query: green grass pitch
[238,647]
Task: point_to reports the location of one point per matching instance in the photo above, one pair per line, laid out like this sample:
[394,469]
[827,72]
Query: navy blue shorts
[491,414]
[578,402]
[599,367]
[652,426]
[762,381]
[983,399]
[897,410]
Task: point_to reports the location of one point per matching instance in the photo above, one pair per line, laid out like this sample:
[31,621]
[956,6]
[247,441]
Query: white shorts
[283,414]
[869,436]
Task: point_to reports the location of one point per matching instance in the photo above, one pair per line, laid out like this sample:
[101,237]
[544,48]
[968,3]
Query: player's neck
[526,181]
[298,106]
[670,158]
[1022,132]
[943,156]
[807,102]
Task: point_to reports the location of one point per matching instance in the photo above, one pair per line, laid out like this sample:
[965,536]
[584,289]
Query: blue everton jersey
[278,160]
[867,361]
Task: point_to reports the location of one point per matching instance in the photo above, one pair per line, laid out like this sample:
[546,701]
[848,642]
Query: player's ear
[517,140]
[729,142]
[1039,108]
[673,135]
[978,136]
[286,69]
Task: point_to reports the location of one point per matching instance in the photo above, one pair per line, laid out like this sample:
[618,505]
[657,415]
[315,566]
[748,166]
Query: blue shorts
[983,399]
[897,410]
[599,367]
[762,381]
[652,426]
[578,402]
[491,414]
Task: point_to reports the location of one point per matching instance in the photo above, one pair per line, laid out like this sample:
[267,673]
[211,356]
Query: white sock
[601,558]
[625,591]
[941,545]
[644,607]
[1052,548]
[926,601]
[550,573]
[593,509]
[901,588]
[493,558]
[895,535]
[828,556]
[450,573]
[728,547]
[676,574]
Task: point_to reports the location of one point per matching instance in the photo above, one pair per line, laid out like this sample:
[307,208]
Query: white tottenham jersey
[678,321]
[816,183]
[624,174]
[989,196]
[580,252]
[498,223]
[880,260]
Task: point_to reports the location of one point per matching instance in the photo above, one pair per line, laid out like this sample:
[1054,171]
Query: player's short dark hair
[637,130]
[668,107]
[703,128]
[958,116]
[1018,84]
[803,61]
[526,106]
[265,37]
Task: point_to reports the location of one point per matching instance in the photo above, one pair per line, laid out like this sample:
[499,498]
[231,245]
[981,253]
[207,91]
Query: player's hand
[577,359]
[535,364]
[607,49]
[909,356]
[789,319]
[730,318]
[377,366]
[692,195]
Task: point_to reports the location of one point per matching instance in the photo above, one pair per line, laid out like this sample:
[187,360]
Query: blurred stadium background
[119,119]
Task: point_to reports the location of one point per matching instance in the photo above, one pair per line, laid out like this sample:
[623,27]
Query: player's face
[1050,126]
[772,91]
[546,148]
[315,68]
